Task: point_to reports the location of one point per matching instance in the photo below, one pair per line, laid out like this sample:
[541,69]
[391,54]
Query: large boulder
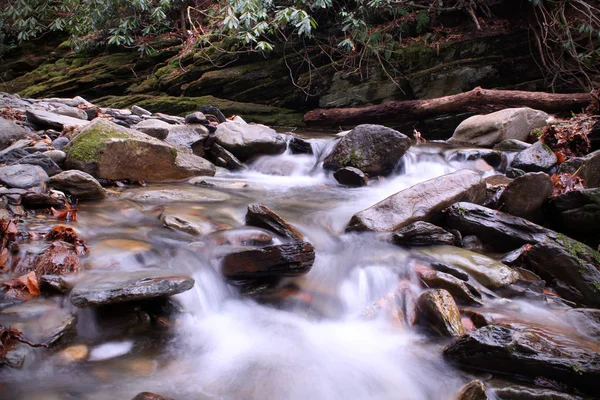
[78,184]
[421,202]
[490,129]
[49,120]
[22,176]
[373,149]
[247,140]
[538,157]
[11,132]
[109,151]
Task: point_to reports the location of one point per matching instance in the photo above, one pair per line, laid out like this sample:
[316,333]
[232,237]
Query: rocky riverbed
[152,256]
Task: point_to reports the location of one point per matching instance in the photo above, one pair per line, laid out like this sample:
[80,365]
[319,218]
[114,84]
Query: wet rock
[512,145]
[72,112]
[485,270]
[192,228]
[459,289]
[50,120]
[300,146]
[587,320]
[373,149]
[78,184]
[577,212]
[118,287]
[54,284]
[261,216]
[41,200]
[22,176]
[487,130]
[11,132]
[139,111]
[240,237]
[108,151]
[570,266]
[214,112]
[421,233]
[287,259]
[248,140]
[154,127]
[57,156]
[227,185]
[185,135]
[60,142]
[587,168]
[218,155]
[538,157]
[438,309]
[520,392]
[474,390]
[525,195]
[528,352]
[150,396]
[493,158]
[514,173]
[78,352]
[350,176]
[196,118]
[42,161]
[422,202]
[176,195]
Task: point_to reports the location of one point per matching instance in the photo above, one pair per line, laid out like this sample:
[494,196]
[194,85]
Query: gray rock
[262,216]
[42,161]
[22,176]
[514,173]
[183,225]
[587,168]
[218,155]
[511,145]
[199,195]
[438,309]
[13,156]
[58,156]
[11,132]
[350,176]
[139,111]
[525,195]
[72,112]
[373,149]
[40,200]
[118,287]
[154,127]
[78,184]
[248,140]
[421,233]
[60,142]
[538,157]
[18,145]
[169,119]
[521,392]
[490,129]
[422,202]
[185,135]
[196,118]
[46,119]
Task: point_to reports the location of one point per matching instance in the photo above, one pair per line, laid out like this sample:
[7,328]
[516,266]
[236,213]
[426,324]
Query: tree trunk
[477,100]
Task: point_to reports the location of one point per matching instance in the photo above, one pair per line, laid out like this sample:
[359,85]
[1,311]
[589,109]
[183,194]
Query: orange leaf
[25,287]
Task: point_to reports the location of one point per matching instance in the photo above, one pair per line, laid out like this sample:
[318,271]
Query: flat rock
[350,176]
[78,184]
[72,112]
[22,176]
[154,127]
[10,132]
[525,195]
[117,287]
[512,145]
[262,216]
[50,120]
[249,140]
[421,233]
[42,161]
[200,195]
[421,202]
[538,157]
[139,111]
[437,308]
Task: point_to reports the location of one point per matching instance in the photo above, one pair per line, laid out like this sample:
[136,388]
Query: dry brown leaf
[564,183]
[25,287]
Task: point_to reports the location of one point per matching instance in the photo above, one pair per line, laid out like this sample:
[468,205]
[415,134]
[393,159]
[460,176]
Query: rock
[78,352]
[350,176]
[373,149]
[46,119]
[459,289]
[300,146]
[72,112]
[538,157]
[512,145]
[11,132]
[287,259]
[218,156]
[60,142]
[514,173]
[57,156]
[248,140]
[438,309]
[154,127]
[577,212]
[213,111]
[22,176]
[226,185]
[525,195]
[150,396]
[42,161]
[263,217]
[169,119]
[520,392]
[185,135]
[196,118]
[246,236]
[199,195]
[587,168]
[108,151]
[528,352]
[78,184]
[192,228]
[58,258]
[421,233]
[18,145]
[493,158]
[485,270]
[139,111]
[570,266]
[474,390]
[41,200]
[421,202]
[55,284]
[117,287]
[490,129]
[594,136]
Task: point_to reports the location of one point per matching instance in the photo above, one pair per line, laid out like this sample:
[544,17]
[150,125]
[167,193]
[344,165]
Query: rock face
[350,176]
[247,140]
[421,202]
[22,176]
[153,127]
[528,352]
[437,307]
[78,184]
[106,150]
[488,130]
[373,149]
[525,195]
[11,132]
[570,266]
[261,216]
[118,287]
[50,120]
[538,157]
[422,233]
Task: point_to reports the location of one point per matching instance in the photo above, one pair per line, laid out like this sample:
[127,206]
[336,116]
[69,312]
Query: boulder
[139,111]
[196,118]
[421,202]
[11,132]
[525,195]
[41,200]
[154,127]
[490,129]
[263,217]
[538,157]
[300,146]
[373,149]
[42,161]
[117,287]
[185,135]
[50,120]
[474,390]
[108,151]
[528,352]
[421,233]
[437,308]
[577,212]
[72,112]
[350,176]
[462,291]
[57,156]
[78,184]
[22,176]
[248,140]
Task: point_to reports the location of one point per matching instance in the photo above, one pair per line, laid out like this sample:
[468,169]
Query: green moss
[354,159]
[173,151]
[86,147]
[537,132]
[578,250]
[577,368]
[597,286]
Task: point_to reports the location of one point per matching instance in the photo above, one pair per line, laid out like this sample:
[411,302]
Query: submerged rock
[438,309]
[525,195]
[350,176]
[421,233]
[150,396]
[300,146]
[538,157]
[248,140]
[421,202]
[262,216]
[373,149]
[78,184]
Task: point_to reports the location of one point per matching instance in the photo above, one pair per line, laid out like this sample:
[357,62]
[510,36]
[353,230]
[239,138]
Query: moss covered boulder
[109,151]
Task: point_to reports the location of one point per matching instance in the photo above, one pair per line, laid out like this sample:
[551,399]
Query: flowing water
[308,340]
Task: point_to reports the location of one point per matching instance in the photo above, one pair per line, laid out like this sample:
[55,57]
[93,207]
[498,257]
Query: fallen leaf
[25,287]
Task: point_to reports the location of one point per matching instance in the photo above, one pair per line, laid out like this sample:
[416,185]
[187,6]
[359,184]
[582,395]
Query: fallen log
[477,101]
